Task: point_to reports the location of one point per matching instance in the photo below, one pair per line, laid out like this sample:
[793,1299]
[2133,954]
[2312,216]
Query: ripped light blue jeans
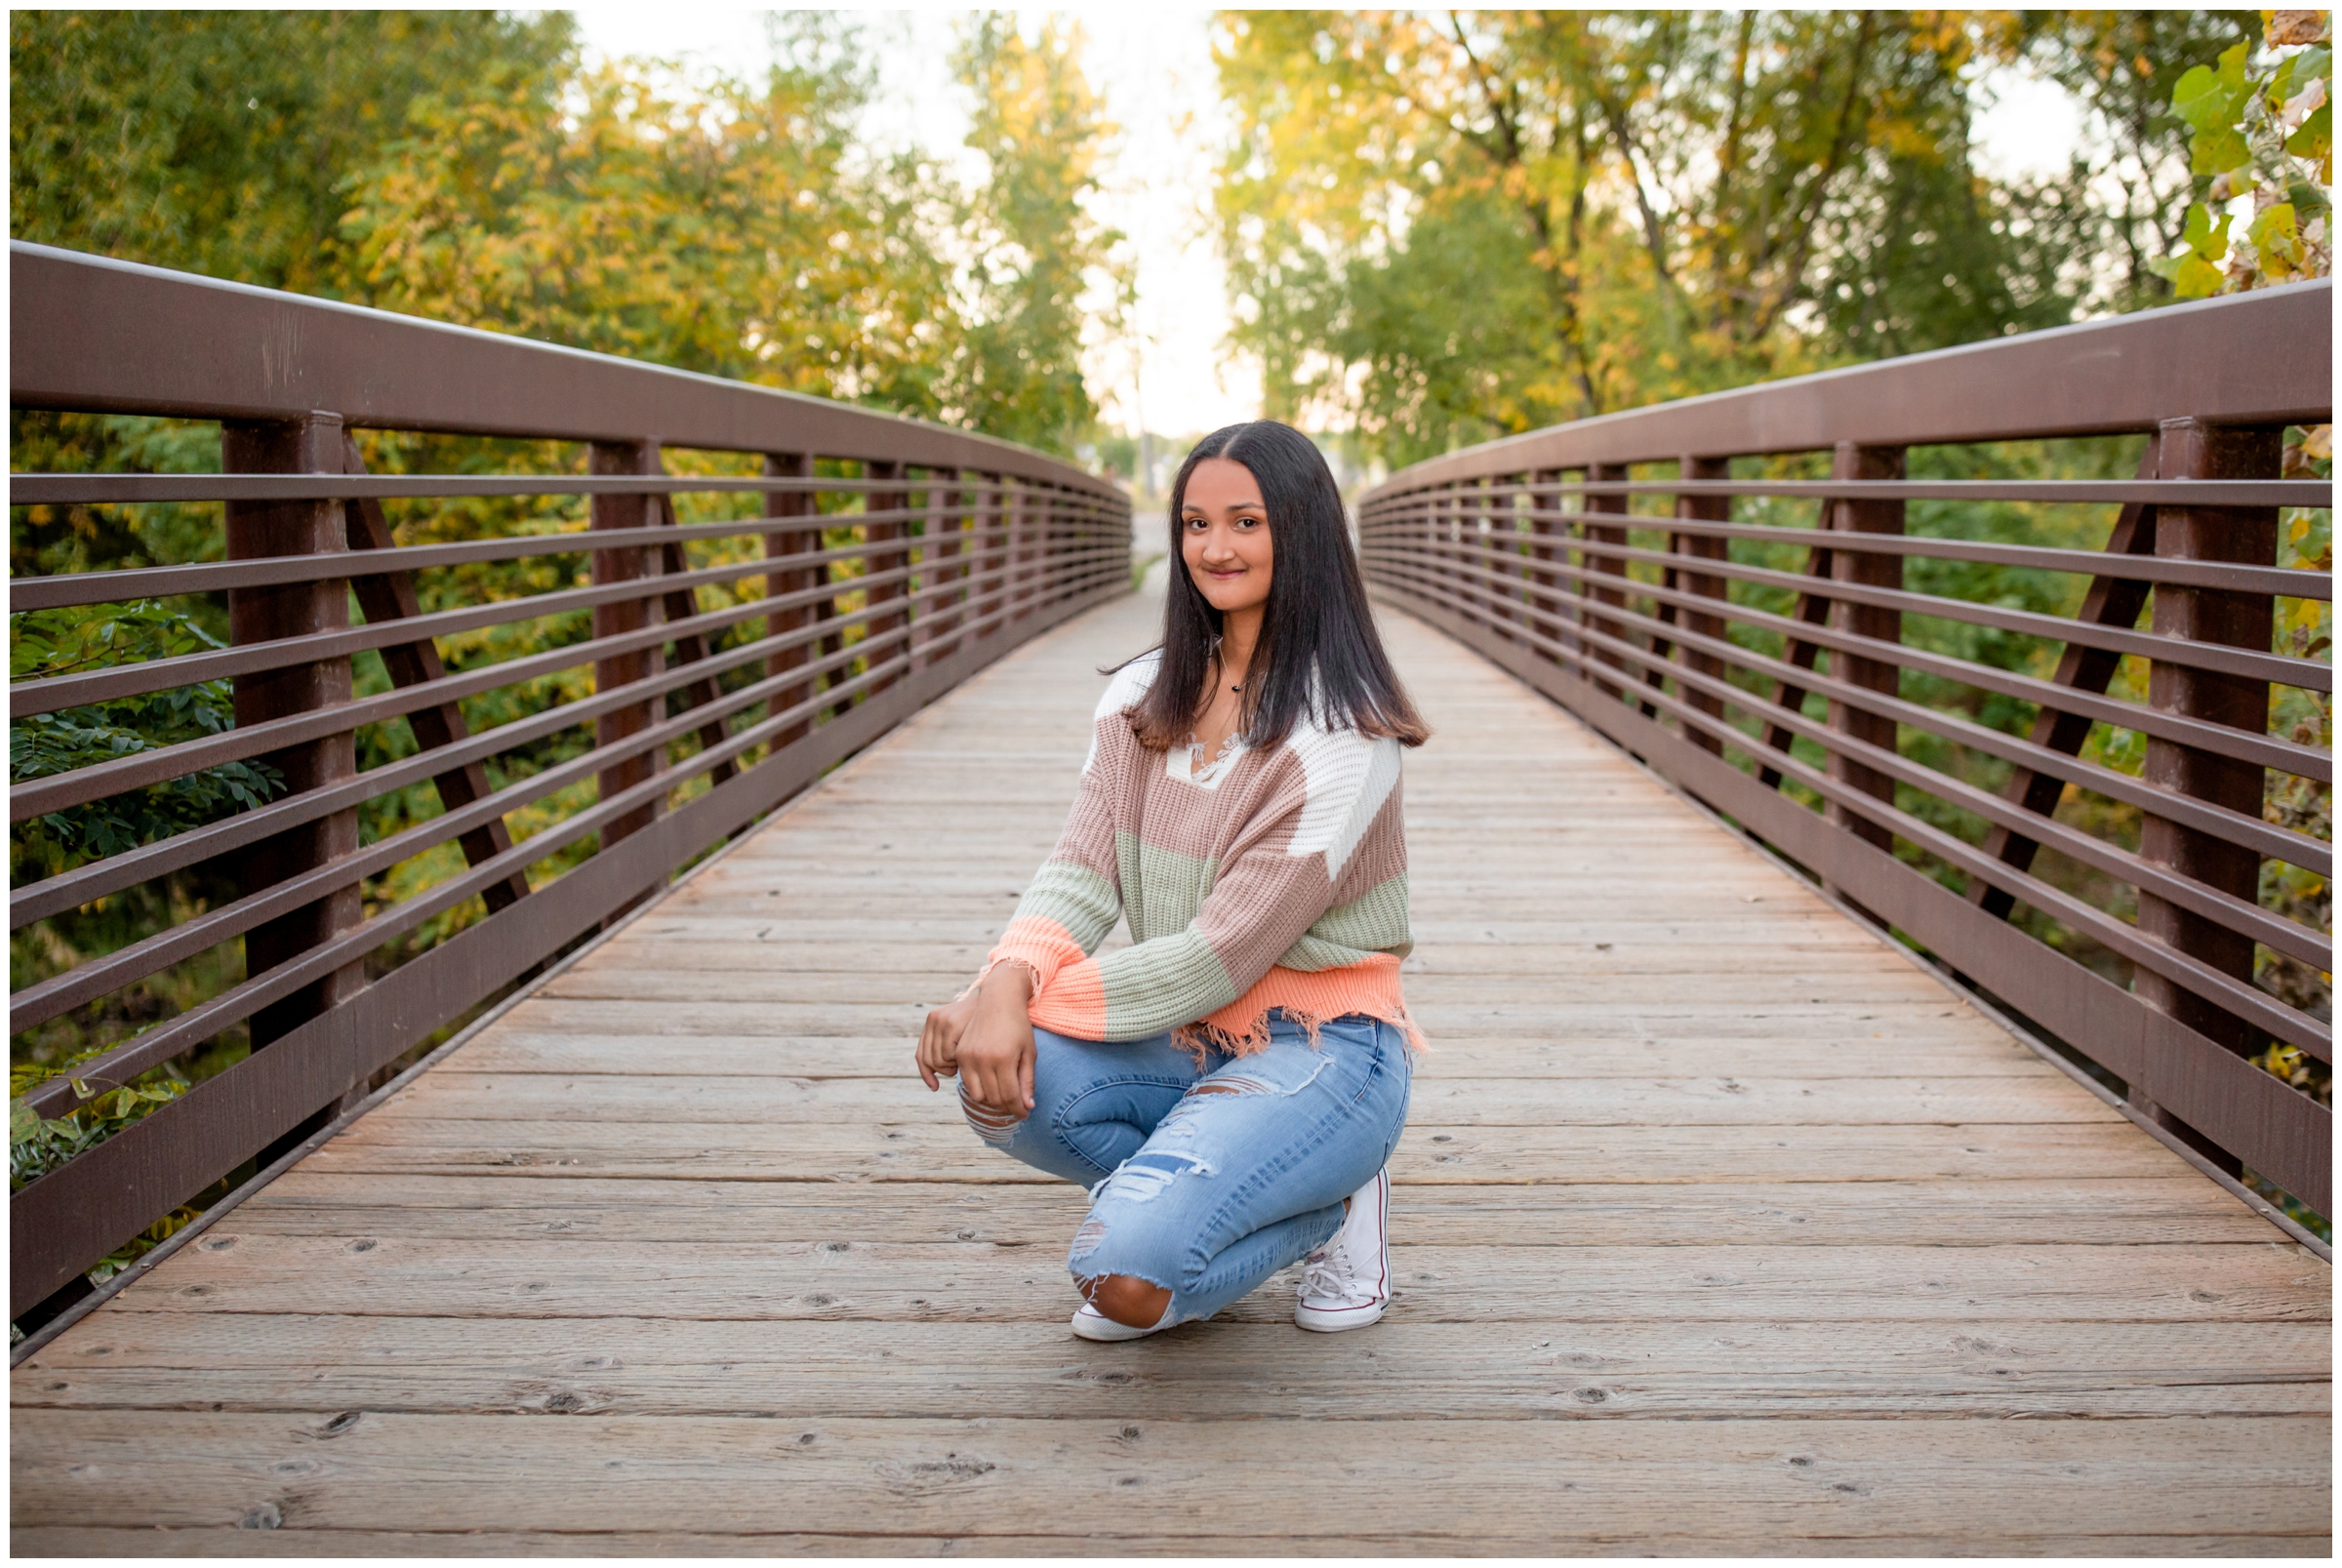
[1208,1193]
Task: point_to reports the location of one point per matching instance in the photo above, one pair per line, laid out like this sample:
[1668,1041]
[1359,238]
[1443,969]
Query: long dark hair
[1319,655]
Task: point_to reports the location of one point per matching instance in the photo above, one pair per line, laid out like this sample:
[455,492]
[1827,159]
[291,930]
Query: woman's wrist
[1009,981]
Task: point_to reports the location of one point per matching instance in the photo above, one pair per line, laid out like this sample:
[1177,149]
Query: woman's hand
[939,1040]
[995,1050]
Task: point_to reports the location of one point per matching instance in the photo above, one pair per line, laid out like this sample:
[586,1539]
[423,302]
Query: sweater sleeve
[1277,878]
[1074,898]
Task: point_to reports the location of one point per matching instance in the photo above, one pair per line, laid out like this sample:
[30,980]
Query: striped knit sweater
[1271,879]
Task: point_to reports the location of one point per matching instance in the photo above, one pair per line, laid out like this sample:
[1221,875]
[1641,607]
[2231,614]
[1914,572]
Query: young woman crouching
[1230,1086]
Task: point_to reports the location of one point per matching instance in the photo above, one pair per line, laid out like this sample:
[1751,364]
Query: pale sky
[1154,67]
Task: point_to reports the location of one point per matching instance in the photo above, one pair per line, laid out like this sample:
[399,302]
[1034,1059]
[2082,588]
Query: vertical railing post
[1451,546]
[1016,501]
[883,553]
[2189,449]
[1606,566]
[1704,584]
[262,615]
[1049,569]
[779,547]
[961,554]
[1543,611]
[990,551]
[1852,462]
[624,564]
[1483,551]
[931,533]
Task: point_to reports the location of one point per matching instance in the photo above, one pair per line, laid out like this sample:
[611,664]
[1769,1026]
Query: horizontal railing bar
[2270,751]
[97,336]
[154,489]
[2310,493]
[52,693]
[2284,582]
[2236,914]
[2227,909]
[2246,1001]
[209,1018]
[2305,674]
[273,571]
[102,780]
[2250,832]
[73,889]
[109,971]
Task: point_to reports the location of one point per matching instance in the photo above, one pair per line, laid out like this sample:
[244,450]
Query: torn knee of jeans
[1086,1240]
[1088,1284]
[1142,1178]
[993,1126]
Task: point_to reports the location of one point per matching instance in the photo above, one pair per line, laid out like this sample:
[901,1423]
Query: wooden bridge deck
[1721,1227]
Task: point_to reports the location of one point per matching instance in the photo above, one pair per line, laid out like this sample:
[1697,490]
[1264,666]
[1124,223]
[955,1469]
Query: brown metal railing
[1809,724]
[959,548]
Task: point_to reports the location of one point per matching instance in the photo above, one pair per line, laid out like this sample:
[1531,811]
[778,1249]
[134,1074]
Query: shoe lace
[1326,1274]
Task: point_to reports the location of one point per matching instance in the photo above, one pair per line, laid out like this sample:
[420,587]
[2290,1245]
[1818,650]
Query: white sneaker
[1089,1323]
[1347,1282]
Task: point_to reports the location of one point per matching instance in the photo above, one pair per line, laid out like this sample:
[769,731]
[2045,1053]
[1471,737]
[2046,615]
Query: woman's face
[1224,536]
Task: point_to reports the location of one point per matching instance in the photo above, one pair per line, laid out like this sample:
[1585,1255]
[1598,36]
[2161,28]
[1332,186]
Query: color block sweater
[1271,879]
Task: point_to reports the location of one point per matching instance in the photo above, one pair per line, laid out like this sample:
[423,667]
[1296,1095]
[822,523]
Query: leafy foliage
[217,142]
[37,1146]
[1451,227]
[53,642]
[2268,135]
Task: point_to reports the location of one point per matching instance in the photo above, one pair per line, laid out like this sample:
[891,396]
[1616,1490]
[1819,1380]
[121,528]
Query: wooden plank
[299,1542]
[769,986]
[1469,1020]
[514,1204]
[633,1366]
[1753,928]
[944,1151]
[1619,1052]
[1437,1102]
[968,1478]
[975,1281]
[1812,960]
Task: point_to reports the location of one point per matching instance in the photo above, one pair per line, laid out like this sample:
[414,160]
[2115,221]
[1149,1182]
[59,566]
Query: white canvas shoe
[1089,1323]
[1347,1282]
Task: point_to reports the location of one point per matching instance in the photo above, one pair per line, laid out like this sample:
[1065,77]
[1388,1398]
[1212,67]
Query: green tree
[723,227]
[1037,251]
[217,142]
[1451,225]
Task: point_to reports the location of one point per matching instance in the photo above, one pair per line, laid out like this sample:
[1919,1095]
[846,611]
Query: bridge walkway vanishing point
[1721,1227]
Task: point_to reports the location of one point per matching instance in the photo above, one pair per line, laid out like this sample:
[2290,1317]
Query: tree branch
[1810,208]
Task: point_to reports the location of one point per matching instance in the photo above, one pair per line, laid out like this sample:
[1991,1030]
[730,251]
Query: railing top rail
[95,335]
[2260,358]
